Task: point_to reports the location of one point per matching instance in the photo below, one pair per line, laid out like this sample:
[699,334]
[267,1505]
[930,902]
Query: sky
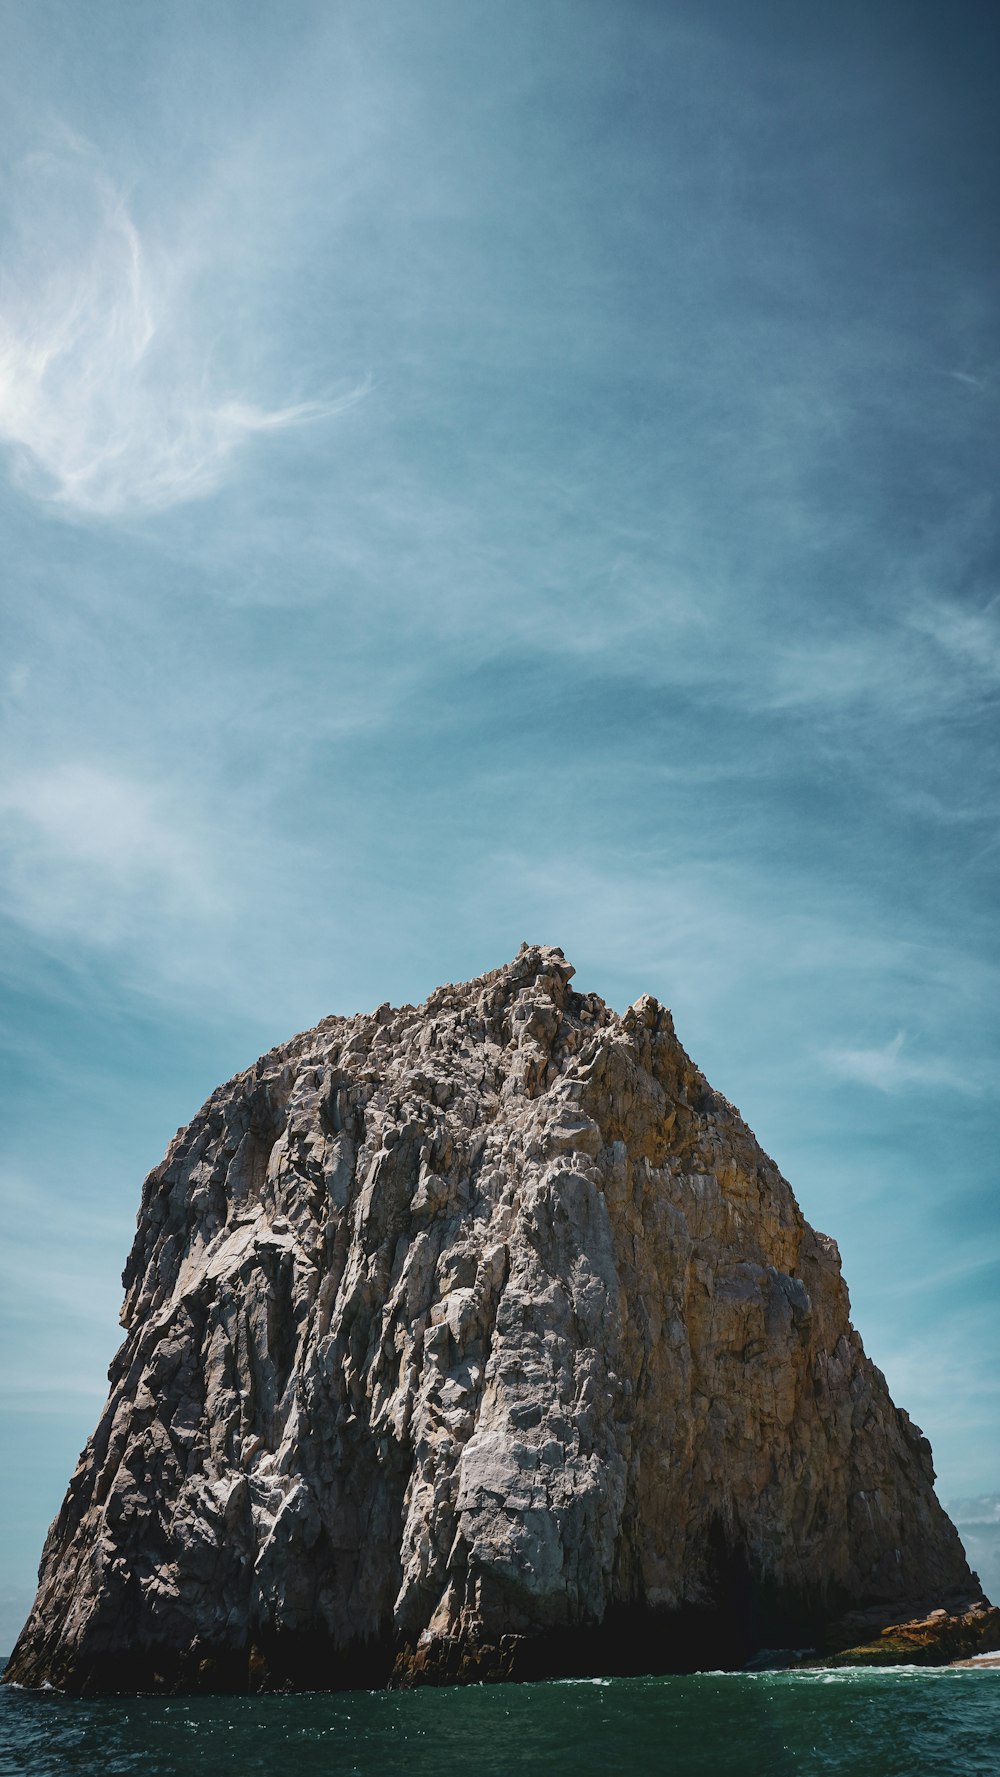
[482,472]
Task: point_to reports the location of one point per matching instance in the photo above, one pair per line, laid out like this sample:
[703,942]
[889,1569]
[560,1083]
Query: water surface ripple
[851,1724]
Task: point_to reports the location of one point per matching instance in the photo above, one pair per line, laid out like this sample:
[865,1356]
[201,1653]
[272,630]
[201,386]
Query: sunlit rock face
[479,1339]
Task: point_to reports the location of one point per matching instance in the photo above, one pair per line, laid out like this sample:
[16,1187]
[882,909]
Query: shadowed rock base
[628,1643]
[303,1661]
[632,1640]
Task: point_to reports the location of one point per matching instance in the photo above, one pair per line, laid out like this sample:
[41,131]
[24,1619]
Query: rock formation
[479,1339]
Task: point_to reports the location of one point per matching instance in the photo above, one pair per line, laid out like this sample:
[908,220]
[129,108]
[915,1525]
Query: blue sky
[479,472]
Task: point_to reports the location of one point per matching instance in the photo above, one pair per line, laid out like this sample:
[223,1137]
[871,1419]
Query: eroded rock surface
[478,1339]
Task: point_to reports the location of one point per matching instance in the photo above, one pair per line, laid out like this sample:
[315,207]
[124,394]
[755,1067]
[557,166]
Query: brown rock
[479,1340]
[938,1638]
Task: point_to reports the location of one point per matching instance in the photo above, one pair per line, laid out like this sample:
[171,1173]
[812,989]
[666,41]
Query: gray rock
[479,1339]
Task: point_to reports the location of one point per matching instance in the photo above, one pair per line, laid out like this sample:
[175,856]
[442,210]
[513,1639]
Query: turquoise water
[855,1724]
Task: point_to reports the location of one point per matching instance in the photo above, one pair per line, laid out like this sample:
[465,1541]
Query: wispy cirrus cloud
[110,401]
[160,883]
[55,1260]
[978,1524]
[982,1511]
[94,852]
[932,1374]
[929,657]
[970,638]
[890,1068]
[59,1277]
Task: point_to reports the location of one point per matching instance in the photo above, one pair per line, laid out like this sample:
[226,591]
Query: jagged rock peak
[475,1339]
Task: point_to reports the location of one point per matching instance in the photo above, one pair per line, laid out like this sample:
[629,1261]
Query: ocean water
[856,1723]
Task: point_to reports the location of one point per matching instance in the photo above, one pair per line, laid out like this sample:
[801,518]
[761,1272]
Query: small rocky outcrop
[941,1637]
[480,1339]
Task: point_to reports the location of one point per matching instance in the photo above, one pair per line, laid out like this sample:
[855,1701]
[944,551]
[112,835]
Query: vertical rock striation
[479,1339]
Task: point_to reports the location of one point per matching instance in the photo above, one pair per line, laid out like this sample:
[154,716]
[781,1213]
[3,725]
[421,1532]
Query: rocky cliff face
[479,1339]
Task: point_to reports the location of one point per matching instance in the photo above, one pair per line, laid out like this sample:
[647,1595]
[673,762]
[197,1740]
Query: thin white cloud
[969,638]
[981,1538]
[970,381]
[984,1510]
[171,888]
[63,1251]
[959,1270]
[92,852]
[109,403]
[889,1069]
[927,663]
[940,1379]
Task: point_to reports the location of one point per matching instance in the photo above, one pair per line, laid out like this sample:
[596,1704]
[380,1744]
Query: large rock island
[481,1339]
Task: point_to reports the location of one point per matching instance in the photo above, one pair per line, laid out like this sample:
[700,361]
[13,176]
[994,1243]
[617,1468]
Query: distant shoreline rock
[482,1340]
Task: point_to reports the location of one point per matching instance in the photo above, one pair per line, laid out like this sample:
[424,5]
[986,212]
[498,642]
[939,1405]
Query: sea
[850,1723]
